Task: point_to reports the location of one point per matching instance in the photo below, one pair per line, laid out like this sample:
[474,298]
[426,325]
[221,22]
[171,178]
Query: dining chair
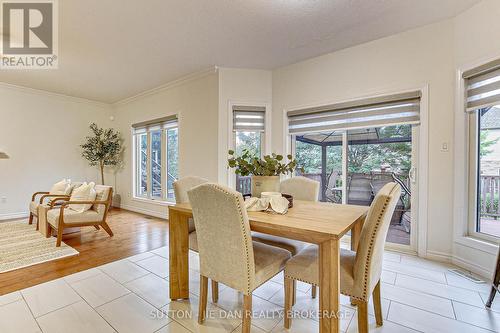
[181,188]
[301,188]
[359,271]
[227,252]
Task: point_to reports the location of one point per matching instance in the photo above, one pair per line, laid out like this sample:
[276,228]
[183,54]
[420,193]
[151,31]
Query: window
[353,149]
[156,158]
[483,107]
[248,128]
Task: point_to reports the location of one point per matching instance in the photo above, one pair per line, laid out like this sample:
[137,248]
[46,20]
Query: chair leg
[362,317]
[202,306]
[215,291]
[377,305]
[97,227]
[106,227]
[313,292]
[493,292]
[288,302]
[59,236]
[31,218]
[294,294]
[48,231]
[247,313]
[37,223]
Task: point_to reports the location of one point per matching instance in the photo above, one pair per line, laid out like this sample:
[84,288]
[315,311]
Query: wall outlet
[445,147]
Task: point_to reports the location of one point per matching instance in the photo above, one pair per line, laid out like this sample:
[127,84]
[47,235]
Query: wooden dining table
[314,222]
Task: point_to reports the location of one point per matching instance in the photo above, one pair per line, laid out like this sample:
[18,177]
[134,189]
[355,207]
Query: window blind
[154,125]
[366,113]
[482,86]
[249,118]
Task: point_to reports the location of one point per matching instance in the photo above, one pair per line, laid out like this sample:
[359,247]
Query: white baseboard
[12,216]
[474,268]
[145,211]
[439,256]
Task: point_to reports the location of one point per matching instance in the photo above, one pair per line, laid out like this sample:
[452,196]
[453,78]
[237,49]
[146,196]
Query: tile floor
[131,295]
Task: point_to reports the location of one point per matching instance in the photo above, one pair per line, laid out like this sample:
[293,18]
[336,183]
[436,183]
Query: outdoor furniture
[359,189]
[227,253]
[333,193]
[318,223]
[61,217]
[360,268]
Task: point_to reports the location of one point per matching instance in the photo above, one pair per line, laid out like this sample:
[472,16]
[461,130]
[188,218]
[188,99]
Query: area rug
[22,246]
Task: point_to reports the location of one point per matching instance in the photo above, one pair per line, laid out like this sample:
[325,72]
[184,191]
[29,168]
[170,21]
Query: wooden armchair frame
[40,201]
[65,203]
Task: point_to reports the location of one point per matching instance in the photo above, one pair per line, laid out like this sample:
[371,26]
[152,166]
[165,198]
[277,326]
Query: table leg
[329,286]
[356,233]
[178,256]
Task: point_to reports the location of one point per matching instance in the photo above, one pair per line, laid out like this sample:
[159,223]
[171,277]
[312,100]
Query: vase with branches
[102,148]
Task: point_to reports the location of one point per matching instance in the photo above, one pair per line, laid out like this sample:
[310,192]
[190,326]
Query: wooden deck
[133,234]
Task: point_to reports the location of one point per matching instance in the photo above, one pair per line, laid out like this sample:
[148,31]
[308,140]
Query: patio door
[353,149]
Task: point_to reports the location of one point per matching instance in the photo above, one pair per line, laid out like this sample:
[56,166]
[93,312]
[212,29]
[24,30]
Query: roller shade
[154,125]
[371,112]
[482,86]
[249,118]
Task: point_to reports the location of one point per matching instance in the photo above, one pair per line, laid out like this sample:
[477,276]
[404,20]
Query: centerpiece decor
[265,172]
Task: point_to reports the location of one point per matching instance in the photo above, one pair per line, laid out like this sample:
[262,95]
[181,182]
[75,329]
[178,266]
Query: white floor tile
[414,271]
[140,256]
[419,300]
[385,307]
[82,275]
[387,327]
[9,298]
[388,277]
[151,288]
[392,256]
[186,313]
[157,265]
[427,322]
[99,289]
[424,263]
[49,296]
[173,327]
[438,289]
[131,314]
[75,318]
[194,261]
[253,329]
[16,318]
[298,326]
[481,317]
[267,290]
[123,271]
[458,281]
[194,285]
[162,251]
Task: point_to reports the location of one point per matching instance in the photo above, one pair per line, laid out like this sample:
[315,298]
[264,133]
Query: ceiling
[113,49]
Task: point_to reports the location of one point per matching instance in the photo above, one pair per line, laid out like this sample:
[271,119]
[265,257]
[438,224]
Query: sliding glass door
[353,165]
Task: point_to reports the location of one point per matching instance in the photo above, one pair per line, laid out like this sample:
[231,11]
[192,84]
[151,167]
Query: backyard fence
[489,189]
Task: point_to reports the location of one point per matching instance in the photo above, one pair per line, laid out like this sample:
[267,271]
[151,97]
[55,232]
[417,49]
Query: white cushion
[102,194]
[86,192]
[61,187]
[70,216]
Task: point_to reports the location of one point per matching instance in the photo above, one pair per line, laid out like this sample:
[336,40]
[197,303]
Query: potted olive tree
[265,172]
[103,148]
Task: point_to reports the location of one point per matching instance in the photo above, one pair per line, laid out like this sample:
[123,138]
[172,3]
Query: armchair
[35,203]
[60,217]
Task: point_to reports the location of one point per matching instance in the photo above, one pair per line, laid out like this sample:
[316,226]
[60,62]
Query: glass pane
[250,141]
[489,171]
[377,156]
[172,161]
[142,143]
[310,150]
[156,152]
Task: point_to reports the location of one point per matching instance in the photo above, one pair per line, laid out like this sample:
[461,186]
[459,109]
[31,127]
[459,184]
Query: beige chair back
[181,188]
[369,255]
[103,193]
[301,188]
[224,240]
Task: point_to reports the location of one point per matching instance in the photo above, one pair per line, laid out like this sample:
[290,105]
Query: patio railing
[489,193]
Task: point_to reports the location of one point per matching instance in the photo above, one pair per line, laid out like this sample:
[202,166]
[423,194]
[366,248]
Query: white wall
[244,87]
[41,132]
[195,101]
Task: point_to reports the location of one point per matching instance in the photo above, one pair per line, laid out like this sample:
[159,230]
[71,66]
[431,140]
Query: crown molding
[175,83]
[47,93]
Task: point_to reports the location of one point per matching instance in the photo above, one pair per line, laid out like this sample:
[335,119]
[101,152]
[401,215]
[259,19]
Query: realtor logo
[29,34]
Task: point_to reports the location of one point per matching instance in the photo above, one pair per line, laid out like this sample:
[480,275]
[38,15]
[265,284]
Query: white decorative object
[61,187]
[270,195]
[275,203]
[265,184]
[86,192]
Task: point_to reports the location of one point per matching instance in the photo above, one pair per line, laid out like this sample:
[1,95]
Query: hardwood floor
[133,233]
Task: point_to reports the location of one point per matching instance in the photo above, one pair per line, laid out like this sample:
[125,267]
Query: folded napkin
[276,204]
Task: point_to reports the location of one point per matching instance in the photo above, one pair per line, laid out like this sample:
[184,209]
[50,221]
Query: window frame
[164,164]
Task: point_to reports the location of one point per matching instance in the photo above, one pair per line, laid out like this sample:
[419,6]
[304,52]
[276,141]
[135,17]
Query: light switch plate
[445,147]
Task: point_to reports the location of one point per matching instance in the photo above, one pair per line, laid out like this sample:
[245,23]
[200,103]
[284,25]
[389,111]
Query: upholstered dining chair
[36,202]
[301,188]
[359,271]
[59,216]
[227,252]
[181,188]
